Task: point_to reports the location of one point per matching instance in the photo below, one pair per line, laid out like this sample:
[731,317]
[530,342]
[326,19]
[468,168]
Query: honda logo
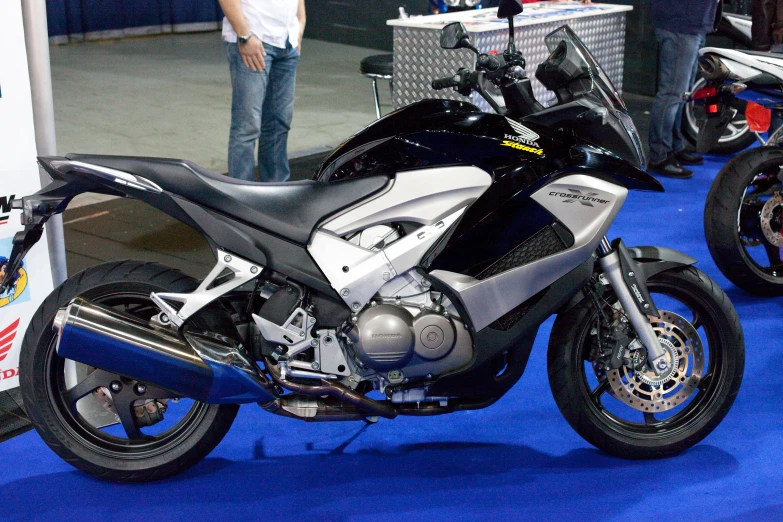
[7,339]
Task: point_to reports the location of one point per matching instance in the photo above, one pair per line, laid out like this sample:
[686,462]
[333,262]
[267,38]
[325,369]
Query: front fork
[630,287]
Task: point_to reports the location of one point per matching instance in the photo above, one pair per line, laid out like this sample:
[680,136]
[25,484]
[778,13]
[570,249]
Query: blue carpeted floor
[516,460]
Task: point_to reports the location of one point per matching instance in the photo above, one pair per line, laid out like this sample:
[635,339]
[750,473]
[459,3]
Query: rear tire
[599,422]
[721,226]
[67,433]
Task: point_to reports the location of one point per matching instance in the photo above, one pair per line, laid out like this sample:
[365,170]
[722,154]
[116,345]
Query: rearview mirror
[509,8]
[453,36]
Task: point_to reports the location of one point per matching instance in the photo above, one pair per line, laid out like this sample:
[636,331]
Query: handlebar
[444,83]
[488,62]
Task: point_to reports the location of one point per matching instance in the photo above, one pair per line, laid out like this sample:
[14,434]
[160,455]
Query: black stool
[378,66]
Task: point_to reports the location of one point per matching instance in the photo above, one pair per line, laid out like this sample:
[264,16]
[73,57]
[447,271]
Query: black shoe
[689,158]
[671,168]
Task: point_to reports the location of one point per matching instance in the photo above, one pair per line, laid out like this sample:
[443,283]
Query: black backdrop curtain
[95,19]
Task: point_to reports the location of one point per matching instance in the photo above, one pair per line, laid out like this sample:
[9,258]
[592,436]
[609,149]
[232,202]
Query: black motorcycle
[410,277]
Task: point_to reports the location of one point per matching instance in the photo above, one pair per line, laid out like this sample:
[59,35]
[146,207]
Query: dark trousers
[677,59]
[767,27]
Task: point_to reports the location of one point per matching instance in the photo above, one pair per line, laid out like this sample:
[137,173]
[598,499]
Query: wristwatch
[245,39]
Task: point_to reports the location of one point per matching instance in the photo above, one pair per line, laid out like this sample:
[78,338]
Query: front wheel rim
[683,421]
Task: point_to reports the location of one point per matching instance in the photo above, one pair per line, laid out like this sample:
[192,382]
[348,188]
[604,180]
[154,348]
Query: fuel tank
[519,157]
[434,133]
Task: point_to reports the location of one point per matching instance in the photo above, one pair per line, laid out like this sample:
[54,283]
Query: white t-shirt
[274,21]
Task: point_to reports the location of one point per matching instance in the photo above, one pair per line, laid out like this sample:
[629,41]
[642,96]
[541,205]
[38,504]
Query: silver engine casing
[386,337]
[383,337]
[409,332]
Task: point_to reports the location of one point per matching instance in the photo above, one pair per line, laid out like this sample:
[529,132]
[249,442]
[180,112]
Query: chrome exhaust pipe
[207,369]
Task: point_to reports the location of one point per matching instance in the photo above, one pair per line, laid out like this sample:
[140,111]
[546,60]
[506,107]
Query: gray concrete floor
[170,96]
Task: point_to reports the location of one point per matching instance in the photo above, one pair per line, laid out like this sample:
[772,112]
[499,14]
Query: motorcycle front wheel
[631,412]
[110,425]
[743,221]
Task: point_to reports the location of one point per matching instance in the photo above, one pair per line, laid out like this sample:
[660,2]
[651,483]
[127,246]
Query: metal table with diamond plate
[418,57]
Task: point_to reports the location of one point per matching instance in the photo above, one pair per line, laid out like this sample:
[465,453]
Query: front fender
[653,260]
[647,262]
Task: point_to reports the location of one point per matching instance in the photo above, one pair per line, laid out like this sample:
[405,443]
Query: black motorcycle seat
[290,210]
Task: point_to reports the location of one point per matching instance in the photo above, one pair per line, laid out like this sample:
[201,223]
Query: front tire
[630,425]
[732,222]
[102,450]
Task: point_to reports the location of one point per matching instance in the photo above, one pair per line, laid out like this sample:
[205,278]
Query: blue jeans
[262,106]
[677,65]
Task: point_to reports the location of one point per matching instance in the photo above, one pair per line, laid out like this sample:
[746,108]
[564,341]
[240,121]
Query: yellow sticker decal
[521,146]
[16,290]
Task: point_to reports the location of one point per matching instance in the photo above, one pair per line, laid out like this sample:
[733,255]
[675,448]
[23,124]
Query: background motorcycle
[736,135]
[743,216]
[409,278]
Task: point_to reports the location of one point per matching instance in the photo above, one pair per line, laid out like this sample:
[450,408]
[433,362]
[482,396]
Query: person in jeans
[681,28]
[262,40]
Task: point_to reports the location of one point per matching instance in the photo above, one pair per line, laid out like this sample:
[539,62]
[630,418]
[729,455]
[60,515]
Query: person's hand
[299,47]
[253,53]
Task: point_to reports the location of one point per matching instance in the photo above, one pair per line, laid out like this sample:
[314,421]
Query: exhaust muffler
[205,368]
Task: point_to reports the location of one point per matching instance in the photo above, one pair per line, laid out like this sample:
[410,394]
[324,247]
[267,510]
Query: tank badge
[524,134]
[525,139]
[521,146]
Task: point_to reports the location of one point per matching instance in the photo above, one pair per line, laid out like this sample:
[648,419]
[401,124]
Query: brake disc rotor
[644,390]
[770,220]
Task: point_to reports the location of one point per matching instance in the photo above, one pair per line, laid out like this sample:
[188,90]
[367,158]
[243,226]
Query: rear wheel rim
[735,130]
[92,438]
[749,221]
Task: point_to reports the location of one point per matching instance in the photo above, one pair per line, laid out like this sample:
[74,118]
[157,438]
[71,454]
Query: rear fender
[69,179]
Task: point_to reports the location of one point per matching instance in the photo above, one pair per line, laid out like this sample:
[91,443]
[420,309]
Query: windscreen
[600,80]
[602,85]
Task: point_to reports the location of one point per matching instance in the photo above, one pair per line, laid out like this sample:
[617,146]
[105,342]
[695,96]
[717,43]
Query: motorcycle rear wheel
[728,234]
[121,453]
[619,423]
[735,138]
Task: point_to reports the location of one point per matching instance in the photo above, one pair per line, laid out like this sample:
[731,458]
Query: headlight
[471,3]
[451,3]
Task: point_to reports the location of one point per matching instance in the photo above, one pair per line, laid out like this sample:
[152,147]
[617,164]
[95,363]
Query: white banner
[18,178]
